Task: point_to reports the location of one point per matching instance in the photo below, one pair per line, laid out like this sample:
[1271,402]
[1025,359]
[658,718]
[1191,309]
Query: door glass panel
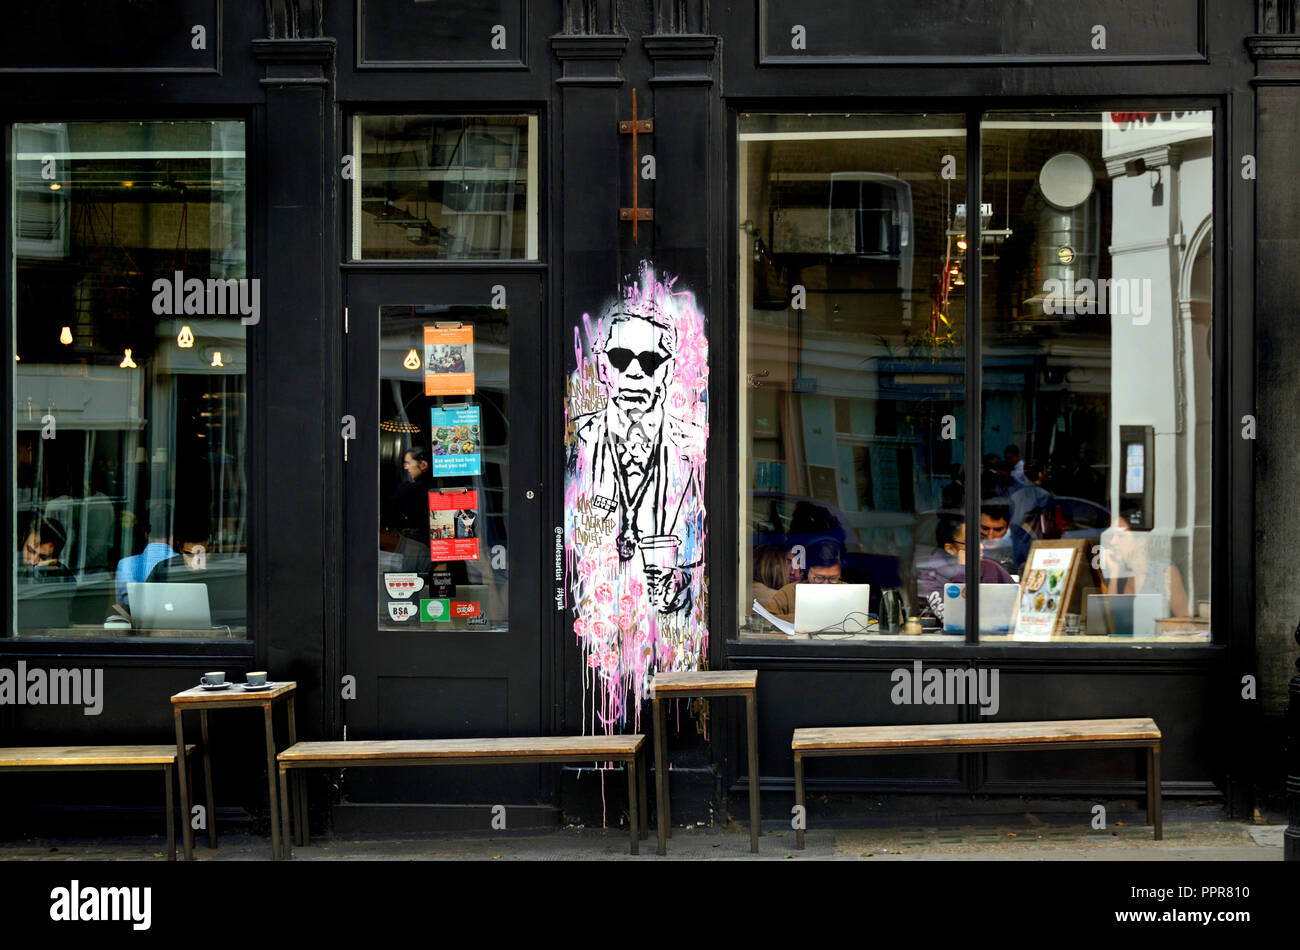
[443,468]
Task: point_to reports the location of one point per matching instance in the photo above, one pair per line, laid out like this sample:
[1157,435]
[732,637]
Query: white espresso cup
[215,678]
[256,679]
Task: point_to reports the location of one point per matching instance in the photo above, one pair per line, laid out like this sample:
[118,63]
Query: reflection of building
[1162,166]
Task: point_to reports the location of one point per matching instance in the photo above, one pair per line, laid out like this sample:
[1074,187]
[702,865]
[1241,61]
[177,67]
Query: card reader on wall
[1137,476]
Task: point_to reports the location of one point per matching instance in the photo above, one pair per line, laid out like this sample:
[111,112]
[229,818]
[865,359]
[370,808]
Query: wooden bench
[1072,734]
[739,684]
[102,758]
[505,751]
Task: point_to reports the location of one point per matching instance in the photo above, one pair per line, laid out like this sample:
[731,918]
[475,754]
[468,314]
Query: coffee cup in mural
[659,552]
[403,586]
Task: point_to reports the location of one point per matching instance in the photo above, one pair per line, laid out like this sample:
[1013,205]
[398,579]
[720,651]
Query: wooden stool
[736,683]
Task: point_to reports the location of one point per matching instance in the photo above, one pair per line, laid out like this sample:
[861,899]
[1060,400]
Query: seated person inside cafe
[1139,563]
[947,565]
[157,549]
[42,547]
[825,565]
[996,540]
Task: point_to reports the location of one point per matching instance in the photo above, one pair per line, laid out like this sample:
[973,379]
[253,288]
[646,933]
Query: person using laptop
[158,548]
[1133,565]
[947,565]
[825,565]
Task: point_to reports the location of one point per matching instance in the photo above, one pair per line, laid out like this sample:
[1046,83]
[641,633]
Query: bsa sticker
[401,610]
[465,608]
[434,610]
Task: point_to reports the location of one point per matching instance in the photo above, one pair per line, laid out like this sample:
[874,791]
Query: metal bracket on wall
[635,127]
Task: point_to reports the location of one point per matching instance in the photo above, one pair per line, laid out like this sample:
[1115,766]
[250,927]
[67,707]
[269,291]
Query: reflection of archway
[1194,419]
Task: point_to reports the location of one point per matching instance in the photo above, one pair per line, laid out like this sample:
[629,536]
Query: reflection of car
[1083,518]
[777,518]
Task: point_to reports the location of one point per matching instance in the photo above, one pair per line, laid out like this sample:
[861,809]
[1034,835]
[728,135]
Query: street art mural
[636,420]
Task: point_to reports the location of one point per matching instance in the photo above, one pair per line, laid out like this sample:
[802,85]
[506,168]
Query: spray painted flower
[609,662]
[580,626]
[603,593]
[593,660]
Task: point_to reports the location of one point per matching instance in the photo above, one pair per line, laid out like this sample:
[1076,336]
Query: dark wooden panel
[1180,703]
[419,33]
[94,35]
[942,30]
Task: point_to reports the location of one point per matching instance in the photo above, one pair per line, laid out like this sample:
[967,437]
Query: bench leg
[801,814]
[633,793]
[661,776]
[187,833]
[751,718]
[171,818]
[286,837]
[1153,791]
[641,794]
[207,781]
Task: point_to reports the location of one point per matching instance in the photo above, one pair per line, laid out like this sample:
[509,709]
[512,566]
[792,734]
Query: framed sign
[1048,586]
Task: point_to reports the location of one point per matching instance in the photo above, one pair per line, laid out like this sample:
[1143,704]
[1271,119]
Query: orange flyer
[449,361]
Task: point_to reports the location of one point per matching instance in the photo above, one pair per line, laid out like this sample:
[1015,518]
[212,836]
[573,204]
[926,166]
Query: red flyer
[465,608]
[453,526]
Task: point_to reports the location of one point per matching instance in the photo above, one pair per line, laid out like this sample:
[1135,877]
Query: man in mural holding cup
[635,460]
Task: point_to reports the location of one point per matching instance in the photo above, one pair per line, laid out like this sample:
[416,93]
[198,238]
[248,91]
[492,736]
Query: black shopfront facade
[748,328]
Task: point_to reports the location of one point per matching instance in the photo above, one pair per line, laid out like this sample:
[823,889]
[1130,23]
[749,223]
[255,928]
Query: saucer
[214,686]
[266,685]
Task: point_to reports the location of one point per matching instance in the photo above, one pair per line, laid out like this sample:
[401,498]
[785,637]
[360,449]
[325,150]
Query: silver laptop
[831,608]
[997,606]
[169,606]
[1124,615]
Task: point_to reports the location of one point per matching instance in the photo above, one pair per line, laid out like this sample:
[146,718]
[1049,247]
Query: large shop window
[444,187]
[1095,315]
[130,307]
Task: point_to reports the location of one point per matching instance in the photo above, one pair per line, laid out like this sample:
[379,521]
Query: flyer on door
[449,361]
[453,526]
[455,441]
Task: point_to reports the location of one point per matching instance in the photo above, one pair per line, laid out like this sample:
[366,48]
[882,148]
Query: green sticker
[435,610]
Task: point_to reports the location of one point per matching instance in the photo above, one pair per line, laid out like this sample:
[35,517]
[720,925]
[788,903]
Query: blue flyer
[456,441]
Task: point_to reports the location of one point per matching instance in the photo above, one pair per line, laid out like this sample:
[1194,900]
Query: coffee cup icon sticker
[400,610]
[403,586]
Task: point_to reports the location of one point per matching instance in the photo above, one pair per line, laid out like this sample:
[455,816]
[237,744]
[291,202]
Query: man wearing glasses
[825,560]
[947,565]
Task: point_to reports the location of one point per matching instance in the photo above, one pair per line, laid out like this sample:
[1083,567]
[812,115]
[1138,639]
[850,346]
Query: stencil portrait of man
[639,457]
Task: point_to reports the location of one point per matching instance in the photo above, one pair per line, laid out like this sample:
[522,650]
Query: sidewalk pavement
[1008,840]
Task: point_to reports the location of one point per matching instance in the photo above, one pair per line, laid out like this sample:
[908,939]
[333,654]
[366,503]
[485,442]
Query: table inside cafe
[235,696]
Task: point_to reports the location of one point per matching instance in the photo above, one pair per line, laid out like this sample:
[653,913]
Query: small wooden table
[196,698]
[106,758]
[733,683]
[982,737]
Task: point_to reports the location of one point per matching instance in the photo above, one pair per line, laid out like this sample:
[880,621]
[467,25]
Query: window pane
[444,438]
[130,387]
[1096,316]
[445,187]
[852,301]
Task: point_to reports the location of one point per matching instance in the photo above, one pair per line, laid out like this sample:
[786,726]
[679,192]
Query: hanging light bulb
[185,339]
[412,360]
[216,358]
[961,242]
[55,186]
[127,362]
[65,336]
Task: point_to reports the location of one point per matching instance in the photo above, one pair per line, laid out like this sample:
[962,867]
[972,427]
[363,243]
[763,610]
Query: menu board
[453,526]
[457,438]
[449,361]
[1047,587]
